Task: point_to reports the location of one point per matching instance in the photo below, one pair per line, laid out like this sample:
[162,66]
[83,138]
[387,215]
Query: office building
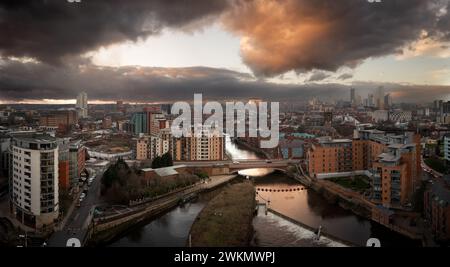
[352,96]
[387,101]
[371,101]
[82,105]
[379,98]
[139,123]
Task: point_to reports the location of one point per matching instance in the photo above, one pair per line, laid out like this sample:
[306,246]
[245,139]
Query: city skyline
[222,49]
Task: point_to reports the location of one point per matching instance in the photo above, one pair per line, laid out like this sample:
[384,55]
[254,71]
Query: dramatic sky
[159,50]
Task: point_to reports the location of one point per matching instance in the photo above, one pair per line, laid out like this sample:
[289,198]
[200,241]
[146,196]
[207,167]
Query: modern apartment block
[34,179]
[394,174]
[151,146]
[330,155]
[142,147]
[205,147]
[447,148]
[210,145]
[393,160]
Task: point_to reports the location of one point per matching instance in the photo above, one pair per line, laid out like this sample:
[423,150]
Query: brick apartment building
[393,161]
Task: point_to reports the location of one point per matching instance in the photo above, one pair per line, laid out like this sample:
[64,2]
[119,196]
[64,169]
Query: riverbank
[106,228]
[356,203]
[226,221]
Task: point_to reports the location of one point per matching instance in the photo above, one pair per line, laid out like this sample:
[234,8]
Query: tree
[114,173]
[164,161]
[157,162]
[167,160]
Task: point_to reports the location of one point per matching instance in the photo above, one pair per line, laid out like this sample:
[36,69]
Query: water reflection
[238,153]
[274,231]
[169,230]
[308,207]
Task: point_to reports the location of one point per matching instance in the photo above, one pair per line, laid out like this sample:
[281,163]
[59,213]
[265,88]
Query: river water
[287,197]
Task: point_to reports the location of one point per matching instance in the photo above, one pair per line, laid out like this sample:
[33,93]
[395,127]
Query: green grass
[227,219]
[437,165]
[359,183]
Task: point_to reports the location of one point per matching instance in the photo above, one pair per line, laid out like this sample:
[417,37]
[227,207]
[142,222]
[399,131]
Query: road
[76,226]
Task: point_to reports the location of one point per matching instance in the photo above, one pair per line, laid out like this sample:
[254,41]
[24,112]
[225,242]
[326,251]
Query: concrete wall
[342,174]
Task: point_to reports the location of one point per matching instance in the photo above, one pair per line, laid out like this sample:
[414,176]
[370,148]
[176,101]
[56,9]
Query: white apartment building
[208,146]
[447,147]
[150,147]
[34,179]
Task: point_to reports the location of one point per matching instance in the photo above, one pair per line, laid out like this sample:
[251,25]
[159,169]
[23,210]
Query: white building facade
[34,180]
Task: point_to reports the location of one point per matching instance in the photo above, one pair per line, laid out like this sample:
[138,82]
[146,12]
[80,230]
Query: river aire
[288,198]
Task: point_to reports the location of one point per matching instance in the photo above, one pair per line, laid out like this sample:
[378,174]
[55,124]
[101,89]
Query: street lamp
[25,237]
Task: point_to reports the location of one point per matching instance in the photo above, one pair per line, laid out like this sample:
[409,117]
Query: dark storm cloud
[35,81]
[345,76]
[443,24]
[50,30]
[278,36]
[318,76]
[301,35]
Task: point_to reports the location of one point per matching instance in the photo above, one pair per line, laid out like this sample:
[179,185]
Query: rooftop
[34,137]
[166,171]
[388,157]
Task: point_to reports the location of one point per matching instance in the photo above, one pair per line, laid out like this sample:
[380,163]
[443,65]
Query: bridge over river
[239,165]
